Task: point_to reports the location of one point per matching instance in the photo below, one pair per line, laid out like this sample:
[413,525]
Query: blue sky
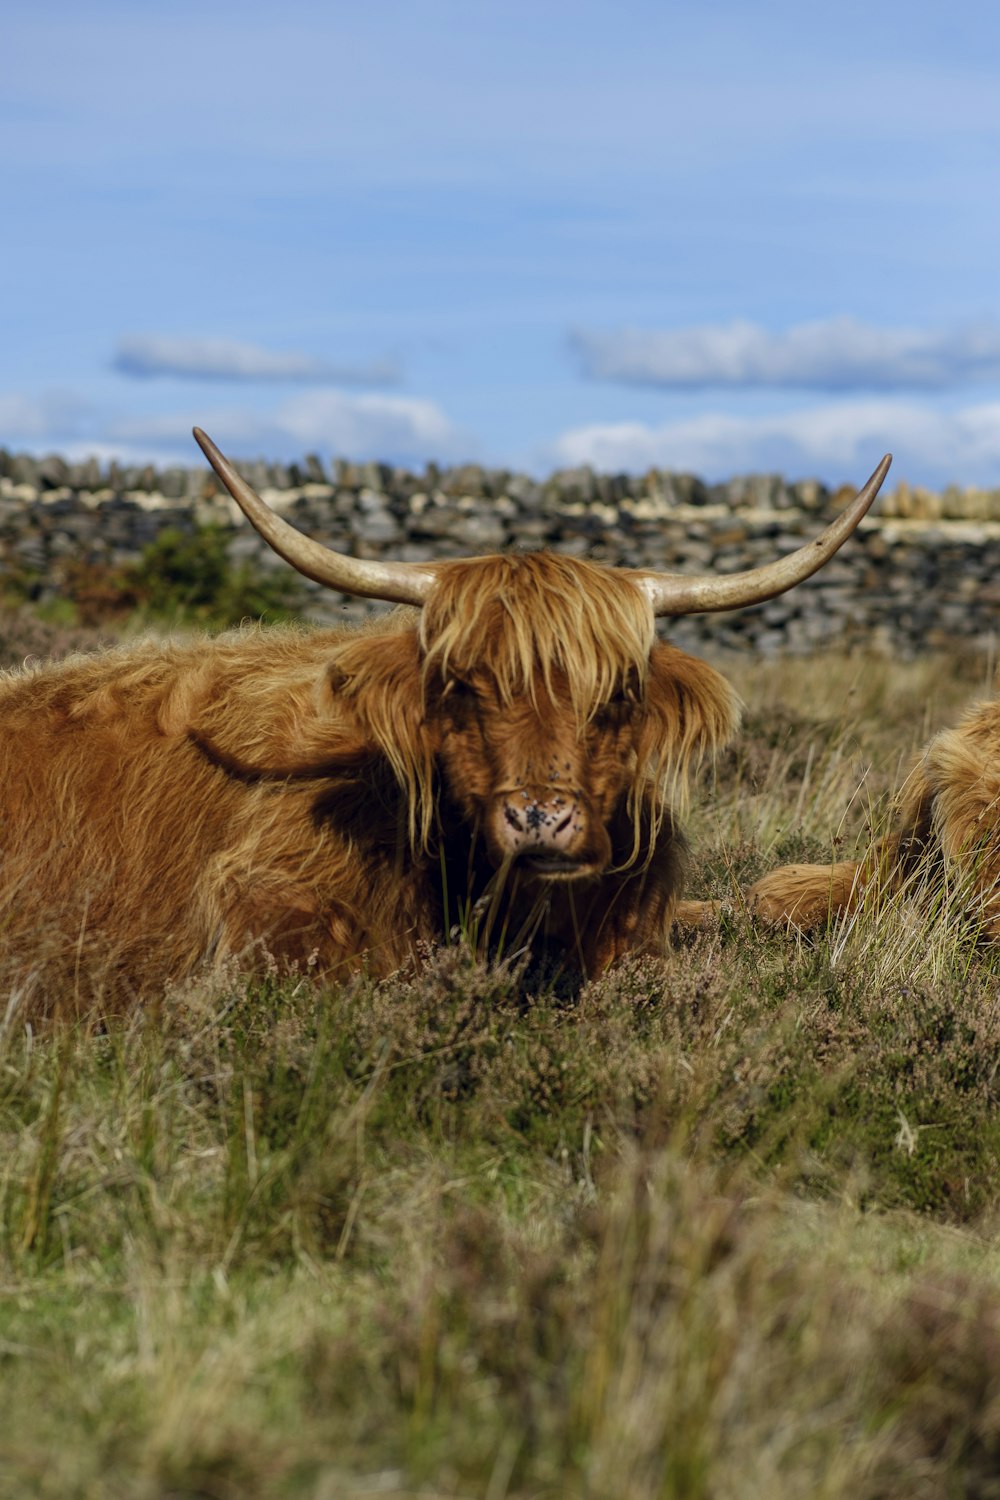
[720,236]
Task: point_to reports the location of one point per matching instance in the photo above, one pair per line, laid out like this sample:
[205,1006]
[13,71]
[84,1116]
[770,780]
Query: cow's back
[127,856]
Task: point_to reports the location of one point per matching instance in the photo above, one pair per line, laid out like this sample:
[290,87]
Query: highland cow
[946,842]
[507,752]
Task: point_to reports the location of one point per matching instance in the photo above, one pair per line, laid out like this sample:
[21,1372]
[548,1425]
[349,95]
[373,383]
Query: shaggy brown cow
[511,754]
[947,838]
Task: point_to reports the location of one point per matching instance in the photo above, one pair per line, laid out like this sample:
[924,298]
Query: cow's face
[533,667]
[539,788]
[542,787]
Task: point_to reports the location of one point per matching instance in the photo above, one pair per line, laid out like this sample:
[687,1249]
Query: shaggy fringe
[521,618]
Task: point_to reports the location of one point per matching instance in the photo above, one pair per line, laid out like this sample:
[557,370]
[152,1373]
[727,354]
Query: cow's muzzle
[546,835]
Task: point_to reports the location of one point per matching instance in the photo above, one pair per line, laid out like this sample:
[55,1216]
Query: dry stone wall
[922,573]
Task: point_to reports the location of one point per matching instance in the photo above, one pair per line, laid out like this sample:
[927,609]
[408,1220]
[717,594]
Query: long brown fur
[947,837]
[328,796]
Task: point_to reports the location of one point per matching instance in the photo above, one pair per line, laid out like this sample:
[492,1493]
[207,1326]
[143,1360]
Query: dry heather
[723,1226]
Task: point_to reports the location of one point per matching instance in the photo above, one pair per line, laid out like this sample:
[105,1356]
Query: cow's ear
[335,679]
[369,666]
[691,709]
[376,681]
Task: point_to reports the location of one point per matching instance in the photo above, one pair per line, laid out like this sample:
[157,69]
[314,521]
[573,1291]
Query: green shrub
[183,577]
[188,576]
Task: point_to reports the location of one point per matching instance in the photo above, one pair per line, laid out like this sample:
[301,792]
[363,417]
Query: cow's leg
[691,916]
[807,896]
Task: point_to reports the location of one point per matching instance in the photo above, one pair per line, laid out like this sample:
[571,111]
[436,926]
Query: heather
[719,1225]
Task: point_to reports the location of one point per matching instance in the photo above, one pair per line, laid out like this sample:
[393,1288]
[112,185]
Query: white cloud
[838,441]
[369,425]
[835,354]
[402,429]
[147,355]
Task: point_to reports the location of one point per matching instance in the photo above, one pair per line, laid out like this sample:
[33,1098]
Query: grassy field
[721,1226]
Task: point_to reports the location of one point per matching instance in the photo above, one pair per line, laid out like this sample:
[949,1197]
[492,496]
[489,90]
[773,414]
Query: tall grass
[724,1225]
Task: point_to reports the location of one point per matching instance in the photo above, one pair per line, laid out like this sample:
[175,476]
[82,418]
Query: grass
[723,1226]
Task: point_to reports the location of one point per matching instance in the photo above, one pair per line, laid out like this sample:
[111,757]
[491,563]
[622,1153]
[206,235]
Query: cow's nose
[542,823]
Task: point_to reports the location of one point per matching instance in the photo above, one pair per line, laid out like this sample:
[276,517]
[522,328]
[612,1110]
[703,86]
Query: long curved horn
[679,594]
[397,582]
